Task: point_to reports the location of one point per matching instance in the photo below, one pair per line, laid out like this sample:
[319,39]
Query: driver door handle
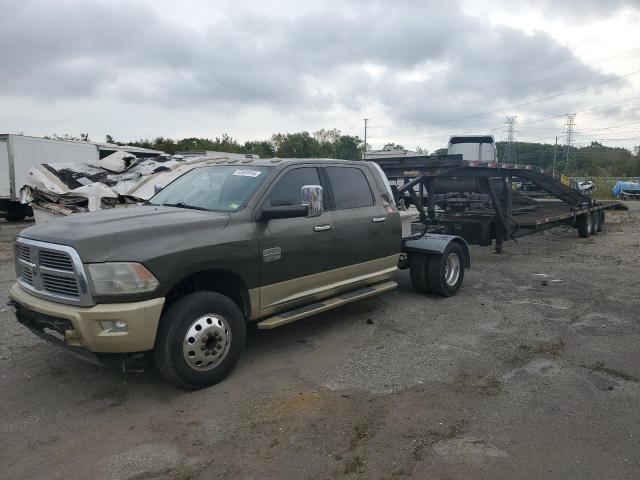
[321,228]
[379,219]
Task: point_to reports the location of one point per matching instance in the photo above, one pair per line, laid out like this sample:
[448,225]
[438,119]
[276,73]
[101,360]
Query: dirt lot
[532,371]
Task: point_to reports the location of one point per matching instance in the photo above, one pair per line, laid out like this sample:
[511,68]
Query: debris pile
[120,179]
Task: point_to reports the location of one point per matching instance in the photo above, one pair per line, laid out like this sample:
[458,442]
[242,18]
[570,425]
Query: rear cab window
[350,188]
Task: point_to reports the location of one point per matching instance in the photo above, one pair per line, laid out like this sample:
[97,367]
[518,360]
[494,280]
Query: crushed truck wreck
[224,244]
[121,179]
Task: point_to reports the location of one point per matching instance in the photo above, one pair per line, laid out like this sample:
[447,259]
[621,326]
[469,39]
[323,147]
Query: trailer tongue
[476,200]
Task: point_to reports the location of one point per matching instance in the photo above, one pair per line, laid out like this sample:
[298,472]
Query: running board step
[324,305]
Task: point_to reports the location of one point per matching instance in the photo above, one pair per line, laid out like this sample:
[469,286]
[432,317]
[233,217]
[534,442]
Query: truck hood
[128,234]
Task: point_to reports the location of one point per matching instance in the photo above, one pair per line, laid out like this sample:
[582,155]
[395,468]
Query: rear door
[367,232]
[296,252]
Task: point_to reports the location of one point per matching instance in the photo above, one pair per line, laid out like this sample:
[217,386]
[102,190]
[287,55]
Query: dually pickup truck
[178,278]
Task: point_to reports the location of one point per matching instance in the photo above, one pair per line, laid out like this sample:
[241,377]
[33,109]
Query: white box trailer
[18,153]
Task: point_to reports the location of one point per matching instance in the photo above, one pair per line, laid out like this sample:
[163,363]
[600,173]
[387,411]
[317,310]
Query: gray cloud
[316,60]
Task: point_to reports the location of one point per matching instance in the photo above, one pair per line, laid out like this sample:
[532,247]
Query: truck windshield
[222,188]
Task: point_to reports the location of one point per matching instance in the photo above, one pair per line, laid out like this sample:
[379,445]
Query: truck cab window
[287,189]
[350,187]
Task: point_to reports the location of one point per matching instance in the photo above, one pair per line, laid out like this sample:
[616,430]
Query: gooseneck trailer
[476,200]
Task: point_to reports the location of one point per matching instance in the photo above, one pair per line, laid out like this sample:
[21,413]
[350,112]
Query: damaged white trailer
[19,153]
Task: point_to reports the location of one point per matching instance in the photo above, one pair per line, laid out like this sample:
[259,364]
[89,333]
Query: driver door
[296,252]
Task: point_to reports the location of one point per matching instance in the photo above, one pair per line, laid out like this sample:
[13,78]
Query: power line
[512,107]
[542,80]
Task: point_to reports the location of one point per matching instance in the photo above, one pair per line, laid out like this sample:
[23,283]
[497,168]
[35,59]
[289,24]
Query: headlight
[115,278]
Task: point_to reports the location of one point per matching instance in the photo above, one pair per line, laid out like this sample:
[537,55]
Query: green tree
[392,146]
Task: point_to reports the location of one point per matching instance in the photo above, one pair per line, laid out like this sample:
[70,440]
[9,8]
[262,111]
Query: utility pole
[555,154]
[511,134]
[364,155]
[569,154]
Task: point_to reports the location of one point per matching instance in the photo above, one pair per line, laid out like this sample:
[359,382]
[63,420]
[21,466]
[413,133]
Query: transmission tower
[568,156]
[511,136]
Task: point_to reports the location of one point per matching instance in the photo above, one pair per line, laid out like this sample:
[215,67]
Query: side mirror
[285,211]
[312,197]
[156,188]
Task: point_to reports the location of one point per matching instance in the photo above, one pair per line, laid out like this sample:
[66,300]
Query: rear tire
[585,224]
[595,224]
[13,217]
[418,272]
[445,272]
[200,340]
[601,222]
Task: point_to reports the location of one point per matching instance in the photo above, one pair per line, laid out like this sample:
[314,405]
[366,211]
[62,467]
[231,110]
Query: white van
[474,147]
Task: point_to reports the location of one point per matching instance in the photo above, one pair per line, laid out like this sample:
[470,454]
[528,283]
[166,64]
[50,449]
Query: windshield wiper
[184,205]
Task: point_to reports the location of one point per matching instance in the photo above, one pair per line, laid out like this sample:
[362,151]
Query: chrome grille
[55,260]
[60,285]
[23,252]
[26,275]
[52,271]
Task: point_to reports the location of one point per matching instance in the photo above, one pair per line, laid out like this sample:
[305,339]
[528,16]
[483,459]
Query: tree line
[595,159]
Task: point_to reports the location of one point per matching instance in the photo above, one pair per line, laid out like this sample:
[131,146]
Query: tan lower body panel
[293,315]
[286,295]
[141,317]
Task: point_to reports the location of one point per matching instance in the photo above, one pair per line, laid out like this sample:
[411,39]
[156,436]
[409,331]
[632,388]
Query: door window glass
[287,190]
[350,187]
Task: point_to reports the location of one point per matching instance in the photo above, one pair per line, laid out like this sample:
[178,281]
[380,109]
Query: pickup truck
[179,278]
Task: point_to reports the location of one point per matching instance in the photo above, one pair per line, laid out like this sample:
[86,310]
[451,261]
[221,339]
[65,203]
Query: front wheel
[200,339]
[445,272]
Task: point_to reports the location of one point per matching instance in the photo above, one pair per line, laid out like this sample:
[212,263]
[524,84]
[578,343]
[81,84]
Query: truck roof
[271,162]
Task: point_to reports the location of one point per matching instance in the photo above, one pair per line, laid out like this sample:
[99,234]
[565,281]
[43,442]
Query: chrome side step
[324,305]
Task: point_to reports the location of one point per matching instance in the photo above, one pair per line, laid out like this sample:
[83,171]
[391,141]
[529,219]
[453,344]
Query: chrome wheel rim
[207,342]
[452,269]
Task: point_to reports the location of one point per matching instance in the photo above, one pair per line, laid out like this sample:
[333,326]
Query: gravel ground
[531,371]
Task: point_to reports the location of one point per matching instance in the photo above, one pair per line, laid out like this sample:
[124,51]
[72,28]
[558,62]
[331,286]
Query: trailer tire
[445,272]
[216,328]
[585,225]
[418,264]
[13,217]
[601,222]
[595,225]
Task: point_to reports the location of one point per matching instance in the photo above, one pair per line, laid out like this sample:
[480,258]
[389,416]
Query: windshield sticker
[247,173]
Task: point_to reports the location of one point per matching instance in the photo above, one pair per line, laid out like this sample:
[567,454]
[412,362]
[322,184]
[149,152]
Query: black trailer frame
[506,214]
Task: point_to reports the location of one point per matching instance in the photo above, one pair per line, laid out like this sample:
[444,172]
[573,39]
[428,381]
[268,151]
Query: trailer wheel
[418,264]
[595,224]
[445,272]
[601,222]
[13,217]
[585,225]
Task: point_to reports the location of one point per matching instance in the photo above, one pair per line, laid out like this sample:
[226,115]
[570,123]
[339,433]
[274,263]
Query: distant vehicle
[587,187]
[18,153]
[266,241]
[628,190]
[480,148]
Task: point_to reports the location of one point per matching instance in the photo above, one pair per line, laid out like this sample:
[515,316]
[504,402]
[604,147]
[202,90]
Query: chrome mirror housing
[312,197]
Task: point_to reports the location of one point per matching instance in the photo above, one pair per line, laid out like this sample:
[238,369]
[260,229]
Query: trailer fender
[436,244]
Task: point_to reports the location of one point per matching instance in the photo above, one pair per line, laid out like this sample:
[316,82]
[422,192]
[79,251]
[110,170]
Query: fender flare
[436,244]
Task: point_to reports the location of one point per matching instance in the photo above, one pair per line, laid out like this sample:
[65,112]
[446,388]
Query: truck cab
[481,148]
[265,241]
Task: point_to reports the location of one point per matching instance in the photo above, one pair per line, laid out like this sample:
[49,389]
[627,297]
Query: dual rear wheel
[440,274]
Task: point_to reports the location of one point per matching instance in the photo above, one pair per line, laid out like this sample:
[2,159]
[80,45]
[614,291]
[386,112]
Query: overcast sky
[419,70]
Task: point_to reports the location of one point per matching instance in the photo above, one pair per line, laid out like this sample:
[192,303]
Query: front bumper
[142,320]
